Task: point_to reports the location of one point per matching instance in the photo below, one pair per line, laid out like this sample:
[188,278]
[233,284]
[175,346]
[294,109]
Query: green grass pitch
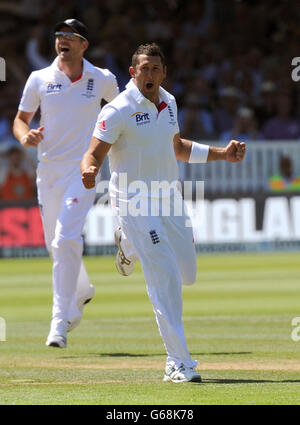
[237,318]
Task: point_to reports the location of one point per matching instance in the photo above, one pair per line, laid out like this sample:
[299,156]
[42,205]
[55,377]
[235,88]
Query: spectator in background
[6,117]
[244,127]
[255,68]
[229,103]
[195,120]
[199,17]
[17,176]
[266,108]
[283,126]
[238,61]
[286,179]
[38,48]
[211,62]
[225,78]
[4,126]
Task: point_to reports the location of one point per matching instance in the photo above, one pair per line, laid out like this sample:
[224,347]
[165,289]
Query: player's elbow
[16,124]
[179,151]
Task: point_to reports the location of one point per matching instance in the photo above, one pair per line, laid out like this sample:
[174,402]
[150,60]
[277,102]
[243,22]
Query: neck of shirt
[162,105]
[76,79]
[68,70]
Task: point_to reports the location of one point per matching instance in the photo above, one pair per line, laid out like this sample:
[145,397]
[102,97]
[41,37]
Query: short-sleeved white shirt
[141,138]
[68,110]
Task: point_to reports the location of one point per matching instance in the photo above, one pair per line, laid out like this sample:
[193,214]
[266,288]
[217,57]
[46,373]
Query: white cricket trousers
[64,204]
[165,247]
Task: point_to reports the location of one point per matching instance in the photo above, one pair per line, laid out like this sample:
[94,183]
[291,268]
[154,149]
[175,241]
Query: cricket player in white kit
[69,93]
[139,131]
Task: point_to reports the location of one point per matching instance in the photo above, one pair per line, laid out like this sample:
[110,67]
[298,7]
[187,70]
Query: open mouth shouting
[149,86]
[64,49]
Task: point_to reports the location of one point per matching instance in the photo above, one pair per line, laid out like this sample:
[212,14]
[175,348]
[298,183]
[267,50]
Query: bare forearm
[92,161]
[216,154]
[192,152]
[22,131]
[234,152]
[89,160]
[20,128]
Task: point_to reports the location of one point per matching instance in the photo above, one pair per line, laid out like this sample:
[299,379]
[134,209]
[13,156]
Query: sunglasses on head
[69,35]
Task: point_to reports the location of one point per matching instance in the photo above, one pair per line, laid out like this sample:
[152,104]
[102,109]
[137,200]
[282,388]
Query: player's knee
[62,243]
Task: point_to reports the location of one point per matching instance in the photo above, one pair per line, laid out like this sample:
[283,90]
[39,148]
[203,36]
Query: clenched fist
[33,137]
[235,151]
[88,176]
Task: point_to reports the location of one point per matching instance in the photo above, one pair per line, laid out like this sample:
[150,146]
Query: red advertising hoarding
[21,227]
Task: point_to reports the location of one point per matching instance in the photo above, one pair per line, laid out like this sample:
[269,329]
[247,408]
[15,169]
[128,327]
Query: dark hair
[150,49]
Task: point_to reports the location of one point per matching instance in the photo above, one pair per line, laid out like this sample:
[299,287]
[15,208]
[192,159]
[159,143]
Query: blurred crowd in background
[229,61]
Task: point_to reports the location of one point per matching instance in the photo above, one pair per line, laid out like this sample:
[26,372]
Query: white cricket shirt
[141,137]
[68,110]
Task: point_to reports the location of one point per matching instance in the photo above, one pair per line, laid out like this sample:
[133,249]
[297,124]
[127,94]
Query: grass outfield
[237,318]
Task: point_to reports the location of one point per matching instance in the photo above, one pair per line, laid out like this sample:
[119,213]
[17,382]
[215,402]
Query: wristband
[199,153]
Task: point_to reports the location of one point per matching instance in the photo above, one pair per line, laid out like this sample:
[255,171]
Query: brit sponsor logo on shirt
[141,118]
[53,87]
[89,89]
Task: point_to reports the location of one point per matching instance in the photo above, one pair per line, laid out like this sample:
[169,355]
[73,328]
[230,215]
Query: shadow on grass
[149,355]
[223,354]
[112,355]
[249,381]
[164,354]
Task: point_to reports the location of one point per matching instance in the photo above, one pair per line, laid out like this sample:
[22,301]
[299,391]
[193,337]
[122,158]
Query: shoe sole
[56,345]
[118,243]
[176,381]
[118,266]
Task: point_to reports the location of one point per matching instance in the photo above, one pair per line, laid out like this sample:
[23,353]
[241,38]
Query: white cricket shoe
[124,266]
[81,302]
[58,341]
[181,374]
[57,336]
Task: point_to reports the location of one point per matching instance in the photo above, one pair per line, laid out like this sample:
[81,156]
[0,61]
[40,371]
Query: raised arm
[92,161]
[188,151]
